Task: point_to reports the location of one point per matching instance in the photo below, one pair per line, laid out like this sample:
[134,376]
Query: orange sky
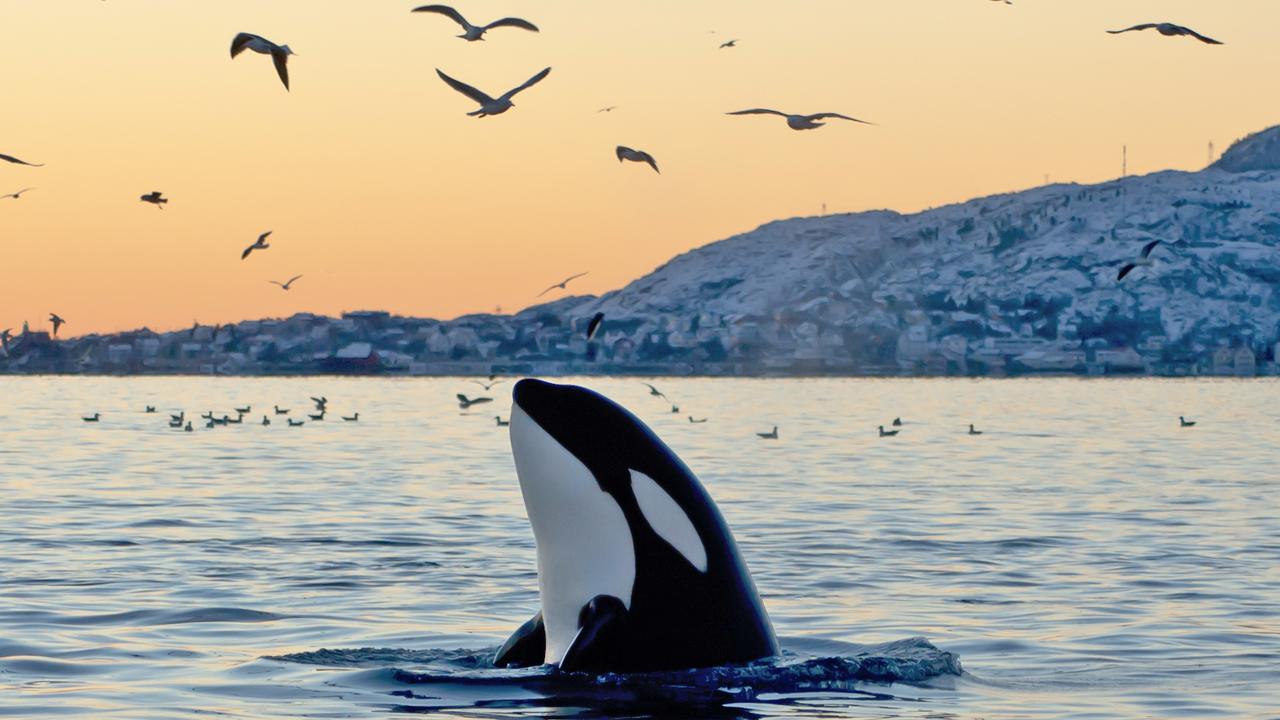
[386,195]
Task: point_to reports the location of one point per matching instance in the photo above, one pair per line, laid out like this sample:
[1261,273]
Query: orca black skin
[677,615]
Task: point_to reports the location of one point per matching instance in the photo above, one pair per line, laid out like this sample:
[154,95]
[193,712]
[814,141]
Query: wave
[454,678]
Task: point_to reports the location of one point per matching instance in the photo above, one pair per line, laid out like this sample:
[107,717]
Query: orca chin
[637,570]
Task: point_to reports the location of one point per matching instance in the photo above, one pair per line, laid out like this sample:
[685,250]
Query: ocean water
[1084,557]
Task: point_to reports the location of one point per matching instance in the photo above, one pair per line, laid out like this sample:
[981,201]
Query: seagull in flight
[611,108]
[800,122]
[563,283]
[154,197]
[285,285]
[16,195]
[729,44]
[655,391]
[488,105]
[487,385]
[16,161]
[57,322]
[279,53]
[1144,260]
[625,153]
[261,244]
[472,33]
[1169,30]
[465,402]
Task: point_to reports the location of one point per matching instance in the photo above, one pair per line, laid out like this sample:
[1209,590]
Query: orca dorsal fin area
[600,639]
[667,519]
[526,647]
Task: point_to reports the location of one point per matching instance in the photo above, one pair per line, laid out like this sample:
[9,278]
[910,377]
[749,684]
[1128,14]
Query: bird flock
[212,420]
[489,105]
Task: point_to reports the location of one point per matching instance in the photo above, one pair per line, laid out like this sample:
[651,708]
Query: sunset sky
[385,195]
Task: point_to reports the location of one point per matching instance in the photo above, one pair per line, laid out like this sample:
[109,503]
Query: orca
[637,570]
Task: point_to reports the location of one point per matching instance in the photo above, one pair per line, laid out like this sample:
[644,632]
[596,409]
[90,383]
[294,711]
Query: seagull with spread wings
[57,323]
[625,153]
[285,285]
[489,105]
[155,197]
[472,33]
[16,161]
[563,284]
[279,53]
[729,44]
[261,244]
[800,122]
[16,195]
[1169,30]
[1143,260]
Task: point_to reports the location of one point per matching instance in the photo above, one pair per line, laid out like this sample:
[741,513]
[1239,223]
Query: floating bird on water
[593,327]
[655,391]
[625,153]
[472,33]
[244,410]
[95,418]
[187,428]
[16,161]
[465,402]
[285,285]
[488,105]
[697,422]
[1143,260]
[16,195]
[317,417]
[281,412]
[211,424]
[501,422]
[771,435]
[353,418]
[1169,30]
[800,122]
[179,417]
[974,431]
[228,421]
[150,409]
[175,423]
[563,284]
[57,322]
[675,409]
[279,53]
[260,244]
[1183,422]
[729,44]
[154,197]
[887,433]
[296,423]
[265,421]
[897,422]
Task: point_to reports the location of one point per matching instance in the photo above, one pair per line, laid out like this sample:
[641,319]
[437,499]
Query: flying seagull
[154,197]
[729,44]
[593,327]
[487,385]
[800,122]
[491,106]
[16,161]
[285,285]
[465,402]
[472,33]
[563,283]
[1169,30]
[261,244]
[321,402]
[57,322]
[1143,259]
[611,108]
[279,53]
[625,153]
[16,195]
[655,391]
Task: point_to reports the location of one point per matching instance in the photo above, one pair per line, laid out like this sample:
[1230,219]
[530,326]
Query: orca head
[589,471]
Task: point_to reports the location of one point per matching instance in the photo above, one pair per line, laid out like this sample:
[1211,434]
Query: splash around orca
[637,570]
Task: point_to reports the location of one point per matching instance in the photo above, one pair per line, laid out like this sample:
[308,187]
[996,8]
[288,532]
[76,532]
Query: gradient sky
[386,195]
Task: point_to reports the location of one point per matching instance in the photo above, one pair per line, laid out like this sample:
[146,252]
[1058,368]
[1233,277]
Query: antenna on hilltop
[1210,152]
